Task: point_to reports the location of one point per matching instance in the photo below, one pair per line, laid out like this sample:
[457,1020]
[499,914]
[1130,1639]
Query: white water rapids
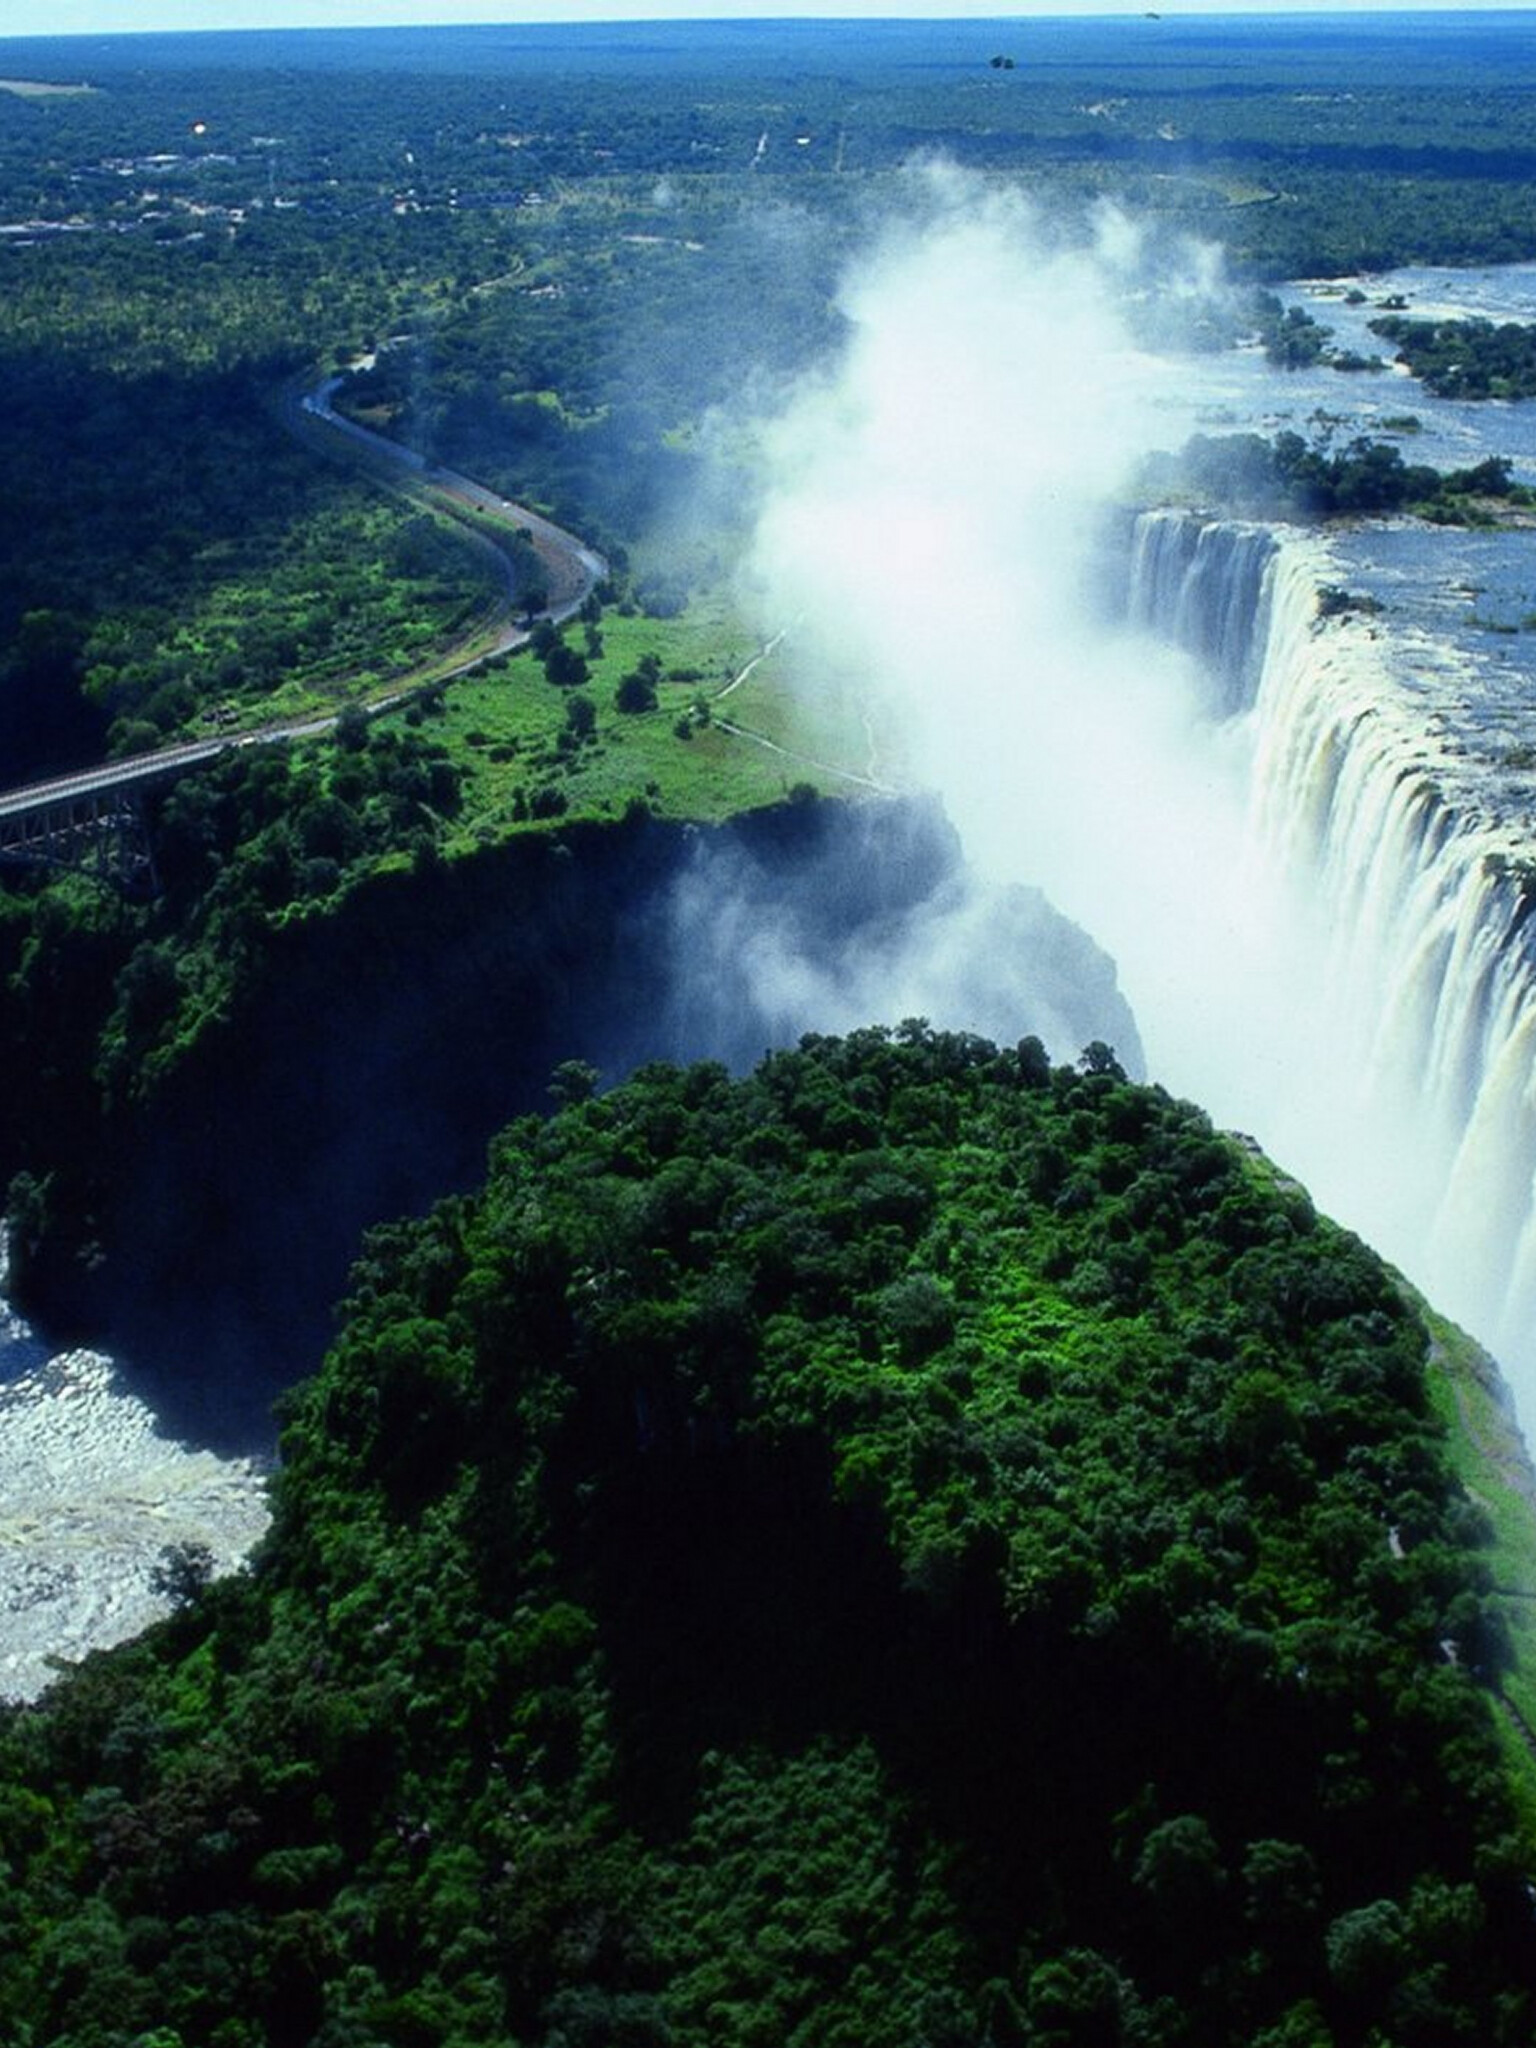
[91,1494]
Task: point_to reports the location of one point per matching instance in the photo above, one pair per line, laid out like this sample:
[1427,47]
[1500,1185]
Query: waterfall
[1413,970]
[1205,585]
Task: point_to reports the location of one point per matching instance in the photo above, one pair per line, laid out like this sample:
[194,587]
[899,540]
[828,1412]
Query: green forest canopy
[910,1545]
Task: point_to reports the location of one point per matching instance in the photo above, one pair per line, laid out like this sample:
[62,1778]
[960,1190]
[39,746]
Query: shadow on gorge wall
[386,1046]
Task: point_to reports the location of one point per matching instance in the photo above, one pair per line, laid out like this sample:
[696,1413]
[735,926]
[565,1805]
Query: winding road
[574,571]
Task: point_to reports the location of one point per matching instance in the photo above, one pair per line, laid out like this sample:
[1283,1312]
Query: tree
[1180,1870]
[1280,1886]
[565,667]
[636,691]
[350,731]
[1099,1058]
[580,717]
[574,1081]
[1080,2000]
[917,1314]
[1034,1063]
[1366,1948]
[183,1573]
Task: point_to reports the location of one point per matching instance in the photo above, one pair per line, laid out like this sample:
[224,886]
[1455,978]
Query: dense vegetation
[535,218]
[1465,358]
[1289,477]
[105,993]
[913,1545]
[512,232]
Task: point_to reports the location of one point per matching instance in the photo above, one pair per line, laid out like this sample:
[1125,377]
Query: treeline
[1465,358]
[170,553]
[584,377]
[1288,477]
[914,1540]
[535,222]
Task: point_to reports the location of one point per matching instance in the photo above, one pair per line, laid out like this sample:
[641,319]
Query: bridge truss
[98,832]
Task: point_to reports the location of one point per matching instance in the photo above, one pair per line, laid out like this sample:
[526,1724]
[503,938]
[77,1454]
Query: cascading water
[1205,585]
[1299,829]
[1411,960]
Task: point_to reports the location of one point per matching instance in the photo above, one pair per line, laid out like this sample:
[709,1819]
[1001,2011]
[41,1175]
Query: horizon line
[774,13]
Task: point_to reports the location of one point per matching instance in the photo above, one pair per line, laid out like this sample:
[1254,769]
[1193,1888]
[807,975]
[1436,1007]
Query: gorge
[1396,918]
[213,1230]
[749,1392]
[1251,798]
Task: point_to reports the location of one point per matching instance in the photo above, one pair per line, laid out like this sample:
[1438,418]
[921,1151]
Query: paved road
[574,571]
[574,568]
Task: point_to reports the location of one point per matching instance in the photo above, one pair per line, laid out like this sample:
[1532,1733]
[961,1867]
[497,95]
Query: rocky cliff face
[384,1046]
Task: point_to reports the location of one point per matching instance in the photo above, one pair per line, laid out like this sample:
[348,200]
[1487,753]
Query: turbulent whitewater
[91,1493]
[1410,889]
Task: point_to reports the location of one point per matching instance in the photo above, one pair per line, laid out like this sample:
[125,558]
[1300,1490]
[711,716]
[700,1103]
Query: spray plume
[932,527]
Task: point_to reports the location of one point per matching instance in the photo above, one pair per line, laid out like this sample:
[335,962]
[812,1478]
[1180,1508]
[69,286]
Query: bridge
[93,822]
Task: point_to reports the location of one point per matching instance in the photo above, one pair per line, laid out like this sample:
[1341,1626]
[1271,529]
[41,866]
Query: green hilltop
[914,1545]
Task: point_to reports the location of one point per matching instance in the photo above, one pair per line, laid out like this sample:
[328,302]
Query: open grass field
[1490,1458]
[698,754]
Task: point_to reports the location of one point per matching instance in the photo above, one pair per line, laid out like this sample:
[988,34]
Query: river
[91,1493]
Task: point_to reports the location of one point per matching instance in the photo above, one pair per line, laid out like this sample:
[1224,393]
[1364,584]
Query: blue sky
[100,17]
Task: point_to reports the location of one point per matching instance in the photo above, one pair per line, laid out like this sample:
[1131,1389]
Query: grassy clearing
[1489,1457]
[42,89]
[509,728]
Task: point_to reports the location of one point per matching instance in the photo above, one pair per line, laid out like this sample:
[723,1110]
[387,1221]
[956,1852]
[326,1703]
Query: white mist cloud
[866,918]
[936,504]
[932,535]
